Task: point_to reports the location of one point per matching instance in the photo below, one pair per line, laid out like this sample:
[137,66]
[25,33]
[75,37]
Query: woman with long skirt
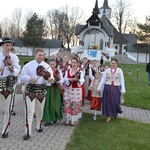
[114,87]
[53,105]
[73,93]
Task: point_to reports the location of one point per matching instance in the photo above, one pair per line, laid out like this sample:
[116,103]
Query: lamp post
[129,72]
[137,75]
[124,68]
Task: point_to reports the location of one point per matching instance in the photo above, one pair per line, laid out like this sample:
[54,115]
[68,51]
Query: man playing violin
[9,70]
[35,74]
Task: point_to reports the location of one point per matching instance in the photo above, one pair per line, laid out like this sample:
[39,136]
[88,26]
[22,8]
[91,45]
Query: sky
[140,8]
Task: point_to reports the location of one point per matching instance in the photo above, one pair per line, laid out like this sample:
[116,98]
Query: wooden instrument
[63,69]
[57,79]
[86,65]
[8,63]
[42,72]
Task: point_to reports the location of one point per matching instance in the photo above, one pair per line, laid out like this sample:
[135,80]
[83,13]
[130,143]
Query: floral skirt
[72,103]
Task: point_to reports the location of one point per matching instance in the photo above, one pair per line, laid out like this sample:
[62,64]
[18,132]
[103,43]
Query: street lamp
[137,75]
[124,68]
[129,72]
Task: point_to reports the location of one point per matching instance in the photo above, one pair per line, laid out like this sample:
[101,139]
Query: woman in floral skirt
[73,93]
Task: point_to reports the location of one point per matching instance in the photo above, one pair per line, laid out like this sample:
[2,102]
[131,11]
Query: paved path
[54,137]
[137,114]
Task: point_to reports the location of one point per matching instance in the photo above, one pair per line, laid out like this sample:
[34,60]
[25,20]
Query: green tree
[144,31]
[34,33]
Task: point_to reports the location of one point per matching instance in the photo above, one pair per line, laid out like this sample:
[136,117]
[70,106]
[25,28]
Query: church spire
[104,12]
[105,4]
[96,10]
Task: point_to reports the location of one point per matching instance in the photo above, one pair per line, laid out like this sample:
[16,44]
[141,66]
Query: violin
[8,63]
[77,75]
[86,65]
[63,69]
[42,72]
[57,75]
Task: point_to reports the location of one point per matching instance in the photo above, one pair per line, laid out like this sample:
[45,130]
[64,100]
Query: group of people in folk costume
[58,87]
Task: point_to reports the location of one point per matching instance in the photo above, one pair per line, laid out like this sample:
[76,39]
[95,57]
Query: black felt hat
[7,40]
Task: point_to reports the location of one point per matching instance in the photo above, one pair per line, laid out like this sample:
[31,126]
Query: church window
[125,47]
[116,47]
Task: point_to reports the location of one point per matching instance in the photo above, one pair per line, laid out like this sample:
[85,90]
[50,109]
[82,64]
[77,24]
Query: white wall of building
[93,36]
[27,51]
[139,57]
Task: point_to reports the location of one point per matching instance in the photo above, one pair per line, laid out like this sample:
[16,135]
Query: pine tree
[35,31]
[144,31]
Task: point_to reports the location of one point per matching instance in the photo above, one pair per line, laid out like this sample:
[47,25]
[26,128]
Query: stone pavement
[54,137]
[137,114]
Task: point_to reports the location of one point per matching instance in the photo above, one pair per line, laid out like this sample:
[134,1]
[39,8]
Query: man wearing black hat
[9,69]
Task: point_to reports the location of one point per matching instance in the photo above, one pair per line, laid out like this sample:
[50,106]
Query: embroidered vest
[113,78]
[74,84]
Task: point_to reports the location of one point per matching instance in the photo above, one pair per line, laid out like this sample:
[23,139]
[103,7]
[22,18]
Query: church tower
[105,10]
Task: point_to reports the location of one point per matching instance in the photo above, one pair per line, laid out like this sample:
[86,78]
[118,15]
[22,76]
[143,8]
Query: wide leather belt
[6,82]
[36,91]
[6,85]
[36,88]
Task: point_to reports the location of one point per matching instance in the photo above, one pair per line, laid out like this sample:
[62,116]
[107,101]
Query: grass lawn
[137,93]
[119,134]
[24,59]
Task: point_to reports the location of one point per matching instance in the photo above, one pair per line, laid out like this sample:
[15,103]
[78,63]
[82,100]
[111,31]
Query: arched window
[116,47]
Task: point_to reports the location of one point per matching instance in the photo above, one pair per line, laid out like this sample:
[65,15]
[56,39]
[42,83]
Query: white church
[98,37]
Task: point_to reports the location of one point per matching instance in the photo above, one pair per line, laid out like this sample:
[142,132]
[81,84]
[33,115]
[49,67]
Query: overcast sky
[140,8]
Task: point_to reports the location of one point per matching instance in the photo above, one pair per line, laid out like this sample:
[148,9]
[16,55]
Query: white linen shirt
[15,65]
[29,70]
